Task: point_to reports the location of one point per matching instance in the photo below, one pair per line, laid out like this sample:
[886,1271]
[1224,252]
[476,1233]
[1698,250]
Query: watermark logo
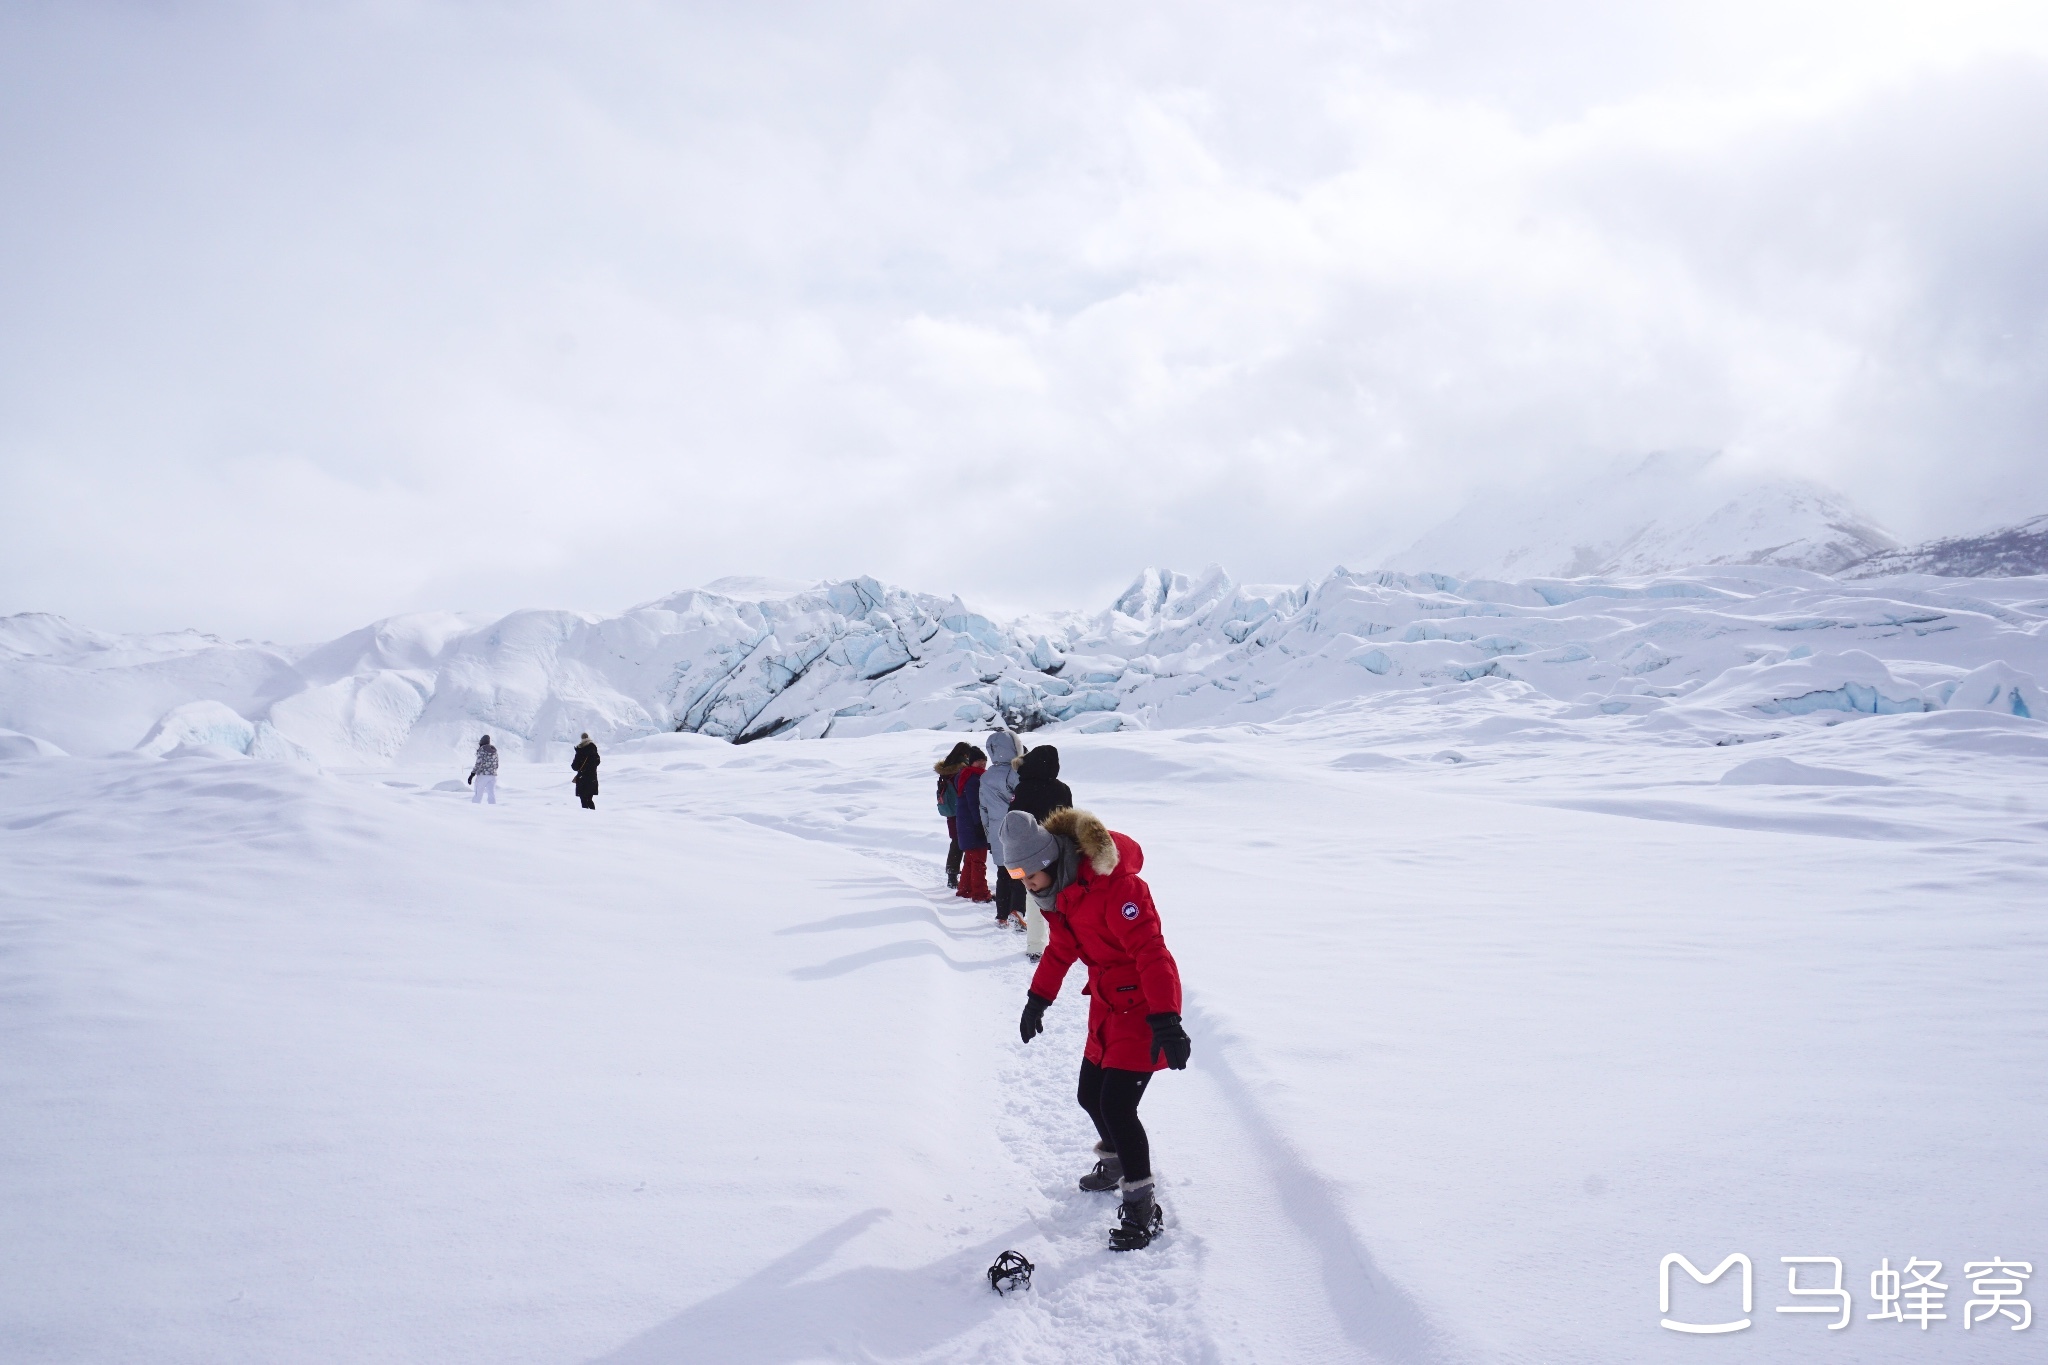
[1913,1294]
[1912,1300]
[1832,1291]
[2001,1283]
[1704,1329]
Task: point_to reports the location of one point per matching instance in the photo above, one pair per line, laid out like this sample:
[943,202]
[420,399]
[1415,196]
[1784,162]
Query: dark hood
[1042,763]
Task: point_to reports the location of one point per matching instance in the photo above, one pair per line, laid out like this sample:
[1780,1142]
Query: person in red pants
[948,768]
[1084,878]
[973,838]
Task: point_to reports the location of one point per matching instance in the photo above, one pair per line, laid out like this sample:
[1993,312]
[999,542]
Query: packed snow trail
[1156,1305]
[1288,1249]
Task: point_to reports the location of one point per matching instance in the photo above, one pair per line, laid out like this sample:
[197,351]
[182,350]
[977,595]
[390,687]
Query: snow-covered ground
[1497,999]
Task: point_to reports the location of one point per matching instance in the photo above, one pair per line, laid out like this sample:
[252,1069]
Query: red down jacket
[1106,920]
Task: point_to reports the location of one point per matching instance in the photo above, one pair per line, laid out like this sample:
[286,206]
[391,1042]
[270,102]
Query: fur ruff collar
[1089,834]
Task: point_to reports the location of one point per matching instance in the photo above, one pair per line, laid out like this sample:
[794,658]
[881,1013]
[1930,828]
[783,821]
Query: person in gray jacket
[997,785]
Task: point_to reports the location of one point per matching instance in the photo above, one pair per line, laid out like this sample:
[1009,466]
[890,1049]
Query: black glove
[1170,1038]
[470,780]
[1033,1022]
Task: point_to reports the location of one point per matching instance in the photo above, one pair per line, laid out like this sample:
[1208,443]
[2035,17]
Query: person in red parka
[1084,878]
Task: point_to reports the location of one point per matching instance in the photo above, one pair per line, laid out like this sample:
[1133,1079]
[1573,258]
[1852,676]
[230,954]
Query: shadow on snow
[776,1315]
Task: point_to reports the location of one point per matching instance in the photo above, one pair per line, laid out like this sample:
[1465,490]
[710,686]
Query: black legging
[1009,894]
[953,856]
[1111,1098]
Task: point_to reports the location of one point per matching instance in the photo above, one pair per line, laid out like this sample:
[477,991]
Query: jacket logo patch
[1130,909]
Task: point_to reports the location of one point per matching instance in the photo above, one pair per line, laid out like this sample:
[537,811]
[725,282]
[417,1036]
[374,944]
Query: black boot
[1138,1219]
[1107,1175]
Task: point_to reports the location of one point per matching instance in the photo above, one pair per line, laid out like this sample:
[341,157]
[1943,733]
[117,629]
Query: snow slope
[1725,651]
[1495,1003]
[2008,552]
[1657,515]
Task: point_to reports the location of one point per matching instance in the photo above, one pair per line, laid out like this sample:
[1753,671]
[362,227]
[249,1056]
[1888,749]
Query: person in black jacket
[584,765]
[1039,791]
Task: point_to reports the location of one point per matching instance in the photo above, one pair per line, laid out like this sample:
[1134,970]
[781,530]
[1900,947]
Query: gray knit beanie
[1026,844]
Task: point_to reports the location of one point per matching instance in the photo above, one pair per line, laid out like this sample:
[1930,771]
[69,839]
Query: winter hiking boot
[1107,1175]
[1138,1218]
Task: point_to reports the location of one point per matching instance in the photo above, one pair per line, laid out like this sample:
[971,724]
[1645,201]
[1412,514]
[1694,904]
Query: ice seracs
[1708,650]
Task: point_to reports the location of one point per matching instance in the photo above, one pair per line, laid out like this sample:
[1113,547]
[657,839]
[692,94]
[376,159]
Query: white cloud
[316,313]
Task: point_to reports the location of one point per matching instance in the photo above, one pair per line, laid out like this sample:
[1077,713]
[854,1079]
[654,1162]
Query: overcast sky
[312,313]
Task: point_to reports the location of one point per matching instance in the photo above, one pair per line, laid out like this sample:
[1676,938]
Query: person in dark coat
[1040,792]
[948,768]
[584,765]
[1039,789]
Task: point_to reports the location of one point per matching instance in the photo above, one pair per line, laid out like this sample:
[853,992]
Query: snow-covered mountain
[2009,552]
[1714,649]
[757,659]
[1663,513]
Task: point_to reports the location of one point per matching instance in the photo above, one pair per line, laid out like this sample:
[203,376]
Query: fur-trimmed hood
[1106,851]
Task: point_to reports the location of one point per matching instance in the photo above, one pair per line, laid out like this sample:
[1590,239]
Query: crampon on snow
[1137,1228]
[1011,1271]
